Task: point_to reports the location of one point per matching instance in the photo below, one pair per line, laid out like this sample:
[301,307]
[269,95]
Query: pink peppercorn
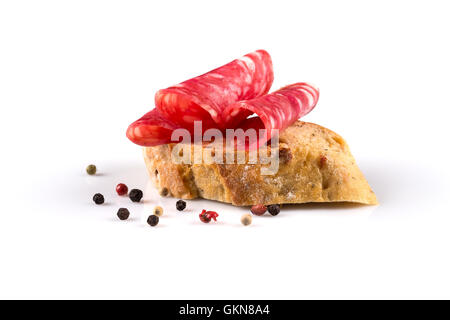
[258,209]
[121,189]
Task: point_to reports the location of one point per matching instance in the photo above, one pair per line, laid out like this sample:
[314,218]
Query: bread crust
[315,166]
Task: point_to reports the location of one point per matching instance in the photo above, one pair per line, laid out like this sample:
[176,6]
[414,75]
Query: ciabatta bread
[315,166]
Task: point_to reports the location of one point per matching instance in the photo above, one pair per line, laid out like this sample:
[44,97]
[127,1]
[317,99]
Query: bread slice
[315,166]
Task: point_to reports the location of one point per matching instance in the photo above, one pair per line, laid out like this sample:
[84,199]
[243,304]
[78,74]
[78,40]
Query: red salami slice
[151,130]
[205,97]
[277,110]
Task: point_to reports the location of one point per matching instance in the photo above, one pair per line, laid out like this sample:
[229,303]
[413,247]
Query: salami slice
[277,110]
[151,130]
[205,97]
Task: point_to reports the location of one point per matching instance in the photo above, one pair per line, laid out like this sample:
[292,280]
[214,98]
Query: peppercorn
[164,192]
[246,219]
[123,213]
[98,198]
[181,205]
[273,209]
[121,189]
[91,169]
[136,195]
[153,220]
[258,209]
[206,216]
[212,215]
[158,211]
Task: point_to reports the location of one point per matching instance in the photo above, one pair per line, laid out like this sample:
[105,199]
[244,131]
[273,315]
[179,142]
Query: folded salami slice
[151,130]
[277,110]
[205,97]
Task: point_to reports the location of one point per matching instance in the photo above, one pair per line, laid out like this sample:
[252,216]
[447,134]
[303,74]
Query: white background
[74,74]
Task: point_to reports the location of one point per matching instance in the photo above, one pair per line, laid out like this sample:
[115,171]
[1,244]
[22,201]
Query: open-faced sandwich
[222,136]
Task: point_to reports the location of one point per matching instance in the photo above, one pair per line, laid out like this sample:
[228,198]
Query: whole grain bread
[315,166]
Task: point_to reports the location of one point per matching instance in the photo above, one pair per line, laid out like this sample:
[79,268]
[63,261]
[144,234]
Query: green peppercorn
[91,169]
[153,220]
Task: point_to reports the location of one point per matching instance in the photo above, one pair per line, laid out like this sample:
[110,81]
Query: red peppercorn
[121,189]
[258,209]
[206,216]
[212,215]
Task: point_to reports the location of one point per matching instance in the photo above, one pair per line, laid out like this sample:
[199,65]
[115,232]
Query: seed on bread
[164,192]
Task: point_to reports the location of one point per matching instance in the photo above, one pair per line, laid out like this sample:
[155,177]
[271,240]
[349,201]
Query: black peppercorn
[136,195]
[274,209]
[123,213]
[98,198]
[153,220]
[181,205]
